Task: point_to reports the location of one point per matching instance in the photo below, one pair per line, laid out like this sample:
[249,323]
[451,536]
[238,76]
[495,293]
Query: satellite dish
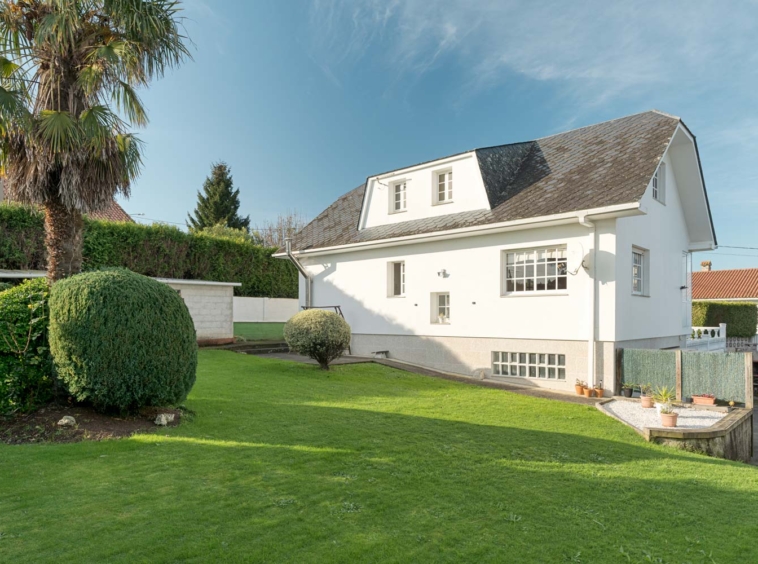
[576,259]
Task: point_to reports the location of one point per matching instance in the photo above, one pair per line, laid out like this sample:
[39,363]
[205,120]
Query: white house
[531,261]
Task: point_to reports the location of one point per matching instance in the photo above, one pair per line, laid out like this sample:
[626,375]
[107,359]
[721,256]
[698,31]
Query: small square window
[441,307]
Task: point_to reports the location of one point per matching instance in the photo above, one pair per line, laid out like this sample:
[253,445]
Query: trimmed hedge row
[741,318]
[153,250]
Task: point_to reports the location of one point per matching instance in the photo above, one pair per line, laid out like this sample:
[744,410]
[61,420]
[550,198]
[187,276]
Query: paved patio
[523,390]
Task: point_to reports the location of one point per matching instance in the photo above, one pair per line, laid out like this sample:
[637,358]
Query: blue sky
[304,99]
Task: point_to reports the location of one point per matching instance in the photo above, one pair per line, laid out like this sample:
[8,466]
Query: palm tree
[69,74]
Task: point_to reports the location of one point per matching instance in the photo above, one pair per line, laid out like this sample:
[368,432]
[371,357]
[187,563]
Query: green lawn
[286,463]
[259,331]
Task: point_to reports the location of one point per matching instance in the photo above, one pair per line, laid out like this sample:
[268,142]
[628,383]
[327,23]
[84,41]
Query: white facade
[264,310]
[599,310]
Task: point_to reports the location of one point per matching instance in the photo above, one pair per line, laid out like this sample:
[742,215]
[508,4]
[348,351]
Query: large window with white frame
[443,186]
[441,307]
[396,279]
[535,270]
[659,183]
[529,365]
[640,272]
[398,203]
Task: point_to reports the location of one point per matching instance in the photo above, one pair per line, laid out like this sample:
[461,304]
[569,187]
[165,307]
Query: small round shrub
[26,371]
[122,341]
[319,334]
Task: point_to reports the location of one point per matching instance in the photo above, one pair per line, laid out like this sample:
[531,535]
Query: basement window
[544,366]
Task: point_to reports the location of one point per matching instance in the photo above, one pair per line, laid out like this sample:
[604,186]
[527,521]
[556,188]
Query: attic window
[659,184]
[443,187]
[397,204]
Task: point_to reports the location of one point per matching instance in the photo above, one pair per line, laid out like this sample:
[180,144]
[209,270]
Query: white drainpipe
[303,271]
[592,333]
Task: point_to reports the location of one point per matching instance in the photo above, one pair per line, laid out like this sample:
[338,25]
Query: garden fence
[729,376]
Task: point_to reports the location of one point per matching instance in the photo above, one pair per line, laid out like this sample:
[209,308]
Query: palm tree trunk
[63,239]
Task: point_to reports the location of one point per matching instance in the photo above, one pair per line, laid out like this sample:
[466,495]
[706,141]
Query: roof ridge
[725,270]
[653,111]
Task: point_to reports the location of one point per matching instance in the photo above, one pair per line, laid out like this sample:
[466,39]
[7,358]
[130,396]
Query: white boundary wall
[264,310]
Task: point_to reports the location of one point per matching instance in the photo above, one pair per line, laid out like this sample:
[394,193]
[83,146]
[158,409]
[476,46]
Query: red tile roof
[114,212]
[725,284]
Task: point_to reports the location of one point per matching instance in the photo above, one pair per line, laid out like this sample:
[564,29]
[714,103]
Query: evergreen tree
[218,203]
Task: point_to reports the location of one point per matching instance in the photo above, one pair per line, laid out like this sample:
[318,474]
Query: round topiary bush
[121,340]
[321,335]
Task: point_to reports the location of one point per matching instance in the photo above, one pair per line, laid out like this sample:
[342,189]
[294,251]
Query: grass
[259,331]
[285,463]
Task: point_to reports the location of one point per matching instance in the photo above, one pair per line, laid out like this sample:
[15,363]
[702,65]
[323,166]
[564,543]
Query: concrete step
[264,350]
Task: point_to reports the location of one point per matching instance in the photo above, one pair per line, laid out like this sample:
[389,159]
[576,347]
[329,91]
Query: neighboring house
[739,284]
[530,261]
[113,212]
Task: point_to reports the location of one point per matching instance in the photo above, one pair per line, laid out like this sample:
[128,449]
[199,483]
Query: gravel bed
[689,418]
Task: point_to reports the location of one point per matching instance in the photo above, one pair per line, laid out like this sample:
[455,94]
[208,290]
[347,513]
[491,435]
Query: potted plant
[703,399]
[599,389]
[627,390]
[579,386]
[668,417]
[588,392]
[664,396]
[646,395]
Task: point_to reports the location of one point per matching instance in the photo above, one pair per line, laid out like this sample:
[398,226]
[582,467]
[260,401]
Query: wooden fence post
[679,375]
[749,380]
[619,372]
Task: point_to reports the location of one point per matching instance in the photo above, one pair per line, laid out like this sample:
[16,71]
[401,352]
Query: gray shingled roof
[600,165]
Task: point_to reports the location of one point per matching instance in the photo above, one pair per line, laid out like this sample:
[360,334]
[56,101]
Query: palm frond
[129,102]
[59,130]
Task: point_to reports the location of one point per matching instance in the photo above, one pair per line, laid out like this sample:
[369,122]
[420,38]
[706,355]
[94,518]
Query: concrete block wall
[211,308]
[264,310]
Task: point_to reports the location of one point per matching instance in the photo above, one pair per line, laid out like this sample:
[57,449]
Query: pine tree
[218,203]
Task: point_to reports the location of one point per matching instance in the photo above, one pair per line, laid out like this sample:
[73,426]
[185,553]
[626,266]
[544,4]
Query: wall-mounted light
[442,273]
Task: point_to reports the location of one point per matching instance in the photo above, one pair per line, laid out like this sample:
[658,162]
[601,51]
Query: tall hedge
[153,250]
[741,318]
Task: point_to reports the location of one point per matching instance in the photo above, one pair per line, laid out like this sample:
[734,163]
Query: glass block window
[535,270]
[545,366]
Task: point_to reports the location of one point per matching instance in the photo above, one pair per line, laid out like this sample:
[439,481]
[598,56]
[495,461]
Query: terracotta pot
[669,419]
[703,401]
[579,389]
[628,392]
[647,401]
[599,392]
[588,392]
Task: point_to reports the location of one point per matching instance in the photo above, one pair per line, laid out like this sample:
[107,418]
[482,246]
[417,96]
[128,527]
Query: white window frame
[539,366]
[444,196]
[403,200]
[391,279]
[659,184]
[438,308]
[640,272]
[532,267]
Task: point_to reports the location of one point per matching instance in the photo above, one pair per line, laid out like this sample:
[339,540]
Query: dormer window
[659,184]
[397,202]
[443,187]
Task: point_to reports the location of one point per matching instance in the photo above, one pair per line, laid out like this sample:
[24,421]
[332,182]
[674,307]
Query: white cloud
[595,50]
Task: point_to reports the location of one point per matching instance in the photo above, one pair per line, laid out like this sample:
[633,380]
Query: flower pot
[646,401]
[669,419]
[703,401]
[628,392]
[579,389]
[588,392]
[599,392]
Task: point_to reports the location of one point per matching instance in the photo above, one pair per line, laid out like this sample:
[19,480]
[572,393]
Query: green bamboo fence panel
[721,374]
[649,366]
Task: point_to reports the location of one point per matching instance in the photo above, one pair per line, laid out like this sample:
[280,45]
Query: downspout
[303,272]
[592,332]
